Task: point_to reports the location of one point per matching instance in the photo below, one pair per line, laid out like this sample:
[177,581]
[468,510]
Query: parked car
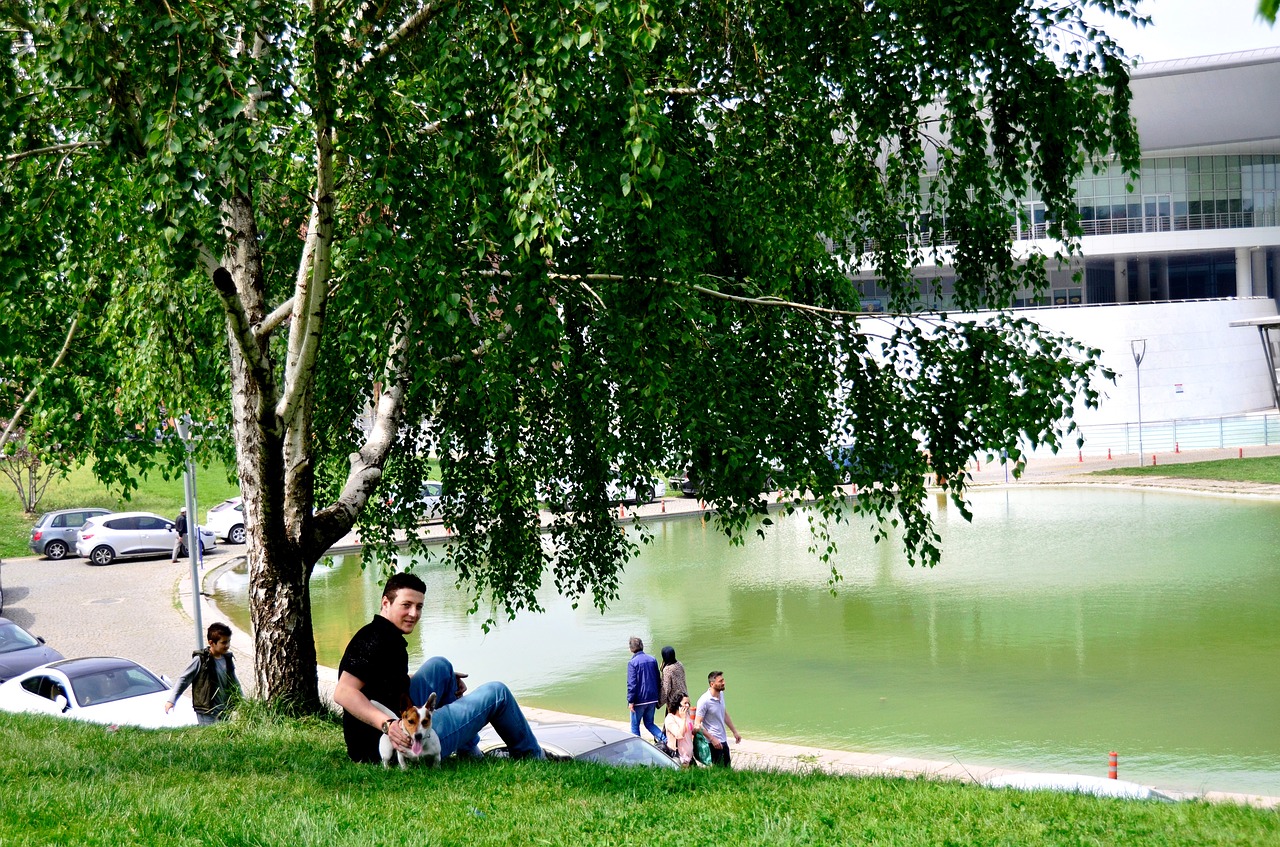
[21,651]
[226,520]
[584,742]
[99,690]
[646,492]
[844,461]
[428,502]
[556,492]
[54,534]
[688,485]
[130,534]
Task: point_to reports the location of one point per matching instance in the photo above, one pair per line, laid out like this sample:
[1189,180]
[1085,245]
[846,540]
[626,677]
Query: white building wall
[1196,364]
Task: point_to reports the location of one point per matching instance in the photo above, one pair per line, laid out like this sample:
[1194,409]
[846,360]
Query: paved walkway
[143,610]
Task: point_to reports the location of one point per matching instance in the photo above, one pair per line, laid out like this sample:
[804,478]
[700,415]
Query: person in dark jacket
[211,677]
[180,524]
[643,685]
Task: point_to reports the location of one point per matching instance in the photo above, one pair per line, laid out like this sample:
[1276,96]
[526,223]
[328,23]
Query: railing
[1177,223]
[1182,434]
[939,237]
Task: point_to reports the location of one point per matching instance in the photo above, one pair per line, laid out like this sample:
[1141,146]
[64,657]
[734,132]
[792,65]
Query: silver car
[584,742]
[54,534]
[129,534]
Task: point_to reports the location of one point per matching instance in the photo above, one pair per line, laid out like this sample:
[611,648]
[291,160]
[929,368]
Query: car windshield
[14,637]
[115,684]
[629,751]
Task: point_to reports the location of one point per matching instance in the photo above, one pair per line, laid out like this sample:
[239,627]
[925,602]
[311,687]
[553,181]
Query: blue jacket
[642,679]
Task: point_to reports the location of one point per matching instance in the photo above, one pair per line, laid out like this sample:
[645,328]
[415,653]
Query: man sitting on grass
[375,666]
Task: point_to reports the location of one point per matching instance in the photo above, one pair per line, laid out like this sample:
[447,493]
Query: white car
[106,538]
[647,492]
[428,504]
[99,690]
[226,520]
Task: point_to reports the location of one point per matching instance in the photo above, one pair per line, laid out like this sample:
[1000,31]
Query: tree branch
[57,148]
[775,302]
[269,324]
[413,24]
[31,395]
[335,521]
[239,327]
[311,287]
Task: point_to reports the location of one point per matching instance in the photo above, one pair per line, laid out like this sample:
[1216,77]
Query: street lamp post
[195,551]
[1138,347]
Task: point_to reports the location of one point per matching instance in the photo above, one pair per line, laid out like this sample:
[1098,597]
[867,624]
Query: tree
[26,468]
[553,243]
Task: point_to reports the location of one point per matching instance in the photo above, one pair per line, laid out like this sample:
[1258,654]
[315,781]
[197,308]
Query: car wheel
[236,535]
[103,555]
[56,550]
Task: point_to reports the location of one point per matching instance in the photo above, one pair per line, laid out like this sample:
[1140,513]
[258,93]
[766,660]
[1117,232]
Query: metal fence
[1183,434]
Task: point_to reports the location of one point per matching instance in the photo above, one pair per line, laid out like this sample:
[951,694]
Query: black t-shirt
[378,656]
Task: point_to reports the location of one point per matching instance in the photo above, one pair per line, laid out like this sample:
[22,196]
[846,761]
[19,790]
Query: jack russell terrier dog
[417,723]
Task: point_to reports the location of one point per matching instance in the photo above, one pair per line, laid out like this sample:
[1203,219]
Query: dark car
[20,651]
[689,485]
[54,534]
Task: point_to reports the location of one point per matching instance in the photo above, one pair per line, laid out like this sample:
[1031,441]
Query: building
[1193,249]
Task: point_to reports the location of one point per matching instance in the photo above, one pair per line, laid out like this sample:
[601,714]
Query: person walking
[712,717]
[211,677]
[642,690]
[180,524]
[673,682]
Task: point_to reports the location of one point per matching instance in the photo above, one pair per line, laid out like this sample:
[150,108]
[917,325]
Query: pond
[1062,623]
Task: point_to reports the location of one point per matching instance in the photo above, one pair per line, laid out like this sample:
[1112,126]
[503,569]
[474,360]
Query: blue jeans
[645,713]
[458,719]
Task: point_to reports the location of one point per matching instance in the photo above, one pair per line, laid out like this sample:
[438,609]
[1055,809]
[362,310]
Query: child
[679,729]
[212,677]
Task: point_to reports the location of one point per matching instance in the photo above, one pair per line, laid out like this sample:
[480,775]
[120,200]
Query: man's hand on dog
[399,738]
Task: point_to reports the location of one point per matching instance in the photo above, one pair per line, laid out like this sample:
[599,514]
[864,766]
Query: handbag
[701,748]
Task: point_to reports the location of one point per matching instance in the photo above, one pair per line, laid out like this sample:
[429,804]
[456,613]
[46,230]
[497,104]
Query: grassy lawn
[263,780]
[1262,469]
[79,488]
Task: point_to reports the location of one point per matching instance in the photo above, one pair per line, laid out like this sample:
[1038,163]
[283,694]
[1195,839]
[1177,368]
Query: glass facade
[1178,193]
[1169,194]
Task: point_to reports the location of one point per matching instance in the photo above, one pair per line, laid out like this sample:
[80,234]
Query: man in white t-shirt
[712,718]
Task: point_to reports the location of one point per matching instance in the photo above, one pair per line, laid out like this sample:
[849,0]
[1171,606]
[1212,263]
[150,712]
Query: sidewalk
[143,610]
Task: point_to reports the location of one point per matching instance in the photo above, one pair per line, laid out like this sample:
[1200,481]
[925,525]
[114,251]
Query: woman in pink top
[678,726]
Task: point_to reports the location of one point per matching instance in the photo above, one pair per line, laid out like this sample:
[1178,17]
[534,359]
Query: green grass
[79,488]
[264,780]
[1261,469]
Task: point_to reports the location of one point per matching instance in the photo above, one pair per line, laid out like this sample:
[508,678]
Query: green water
[1061,624]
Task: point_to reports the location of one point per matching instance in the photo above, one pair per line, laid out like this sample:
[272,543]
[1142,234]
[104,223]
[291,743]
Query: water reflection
[1061,624]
